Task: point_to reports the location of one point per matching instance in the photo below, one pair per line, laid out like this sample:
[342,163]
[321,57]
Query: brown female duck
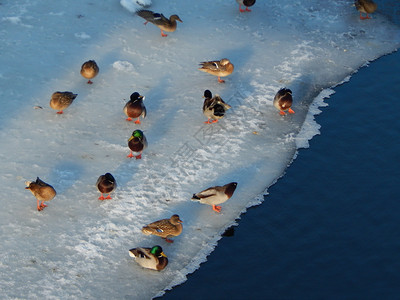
[164,228]
[61,100]
[168,25]
[366,7]
[89,70]
[219,68]
[42,191]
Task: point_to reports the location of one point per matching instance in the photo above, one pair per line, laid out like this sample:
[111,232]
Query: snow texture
[78,246]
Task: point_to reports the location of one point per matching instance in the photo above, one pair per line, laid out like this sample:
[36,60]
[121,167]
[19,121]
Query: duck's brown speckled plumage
[164,228]
[220,68]
[366,7]
[168,25]
[42,191]
[89,70]
[61,100]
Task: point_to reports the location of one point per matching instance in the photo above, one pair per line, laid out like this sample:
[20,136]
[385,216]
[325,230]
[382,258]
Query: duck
[89,70]
[42,191]
[135,108]
[214,107]
[246,3]
[220,68]
[168,25]
[283,101]
[150,258]
[106,184]
[61,100]
[215,195]
[137,143]
[365,6]
[164,228]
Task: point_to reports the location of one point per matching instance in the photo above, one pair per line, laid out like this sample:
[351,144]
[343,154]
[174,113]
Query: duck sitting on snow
[61,100]
[214,107]
[42,191]
[365,6]
[246,3]
[168,25]
[150,258]
[106,184]
[135,108]
[164,228]
[137,143]
[89,70]
[215,195]
[283,101]
[219,68]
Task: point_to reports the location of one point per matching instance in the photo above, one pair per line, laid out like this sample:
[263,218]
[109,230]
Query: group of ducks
[214,109]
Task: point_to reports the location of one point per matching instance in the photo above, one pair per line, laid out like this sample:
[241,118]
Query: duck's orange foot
[291,111]
[60,112]
[101,197]
[247,9]
[220,80]
[108,197]
[168,240]
[42,205]
[137,121]
[40,208]
[139,156]
[163,34]
[128,119]
[90,82]
[130,155]
[364,18]
[217,208]
[282,113]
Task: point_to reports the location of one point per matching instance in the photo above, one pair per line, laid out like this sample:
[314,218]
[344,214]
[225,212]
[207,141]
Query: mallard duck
[135,108]
[283,101]
[220,68]
[89,70]
[61,100]
[150,258]
[168,25]
[137,143]
[164,228]
[216,195]
[214,107]
[365,6]
[246,3]
[42,191]
[106,184]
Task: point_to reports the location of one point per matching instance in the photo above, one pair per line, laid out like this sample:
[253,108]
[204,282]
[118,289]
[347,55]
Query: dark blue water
[330,228]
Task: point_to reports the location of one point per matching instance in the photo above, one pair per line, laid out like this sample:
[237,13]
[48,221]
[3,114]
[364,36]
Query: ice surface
[78,246]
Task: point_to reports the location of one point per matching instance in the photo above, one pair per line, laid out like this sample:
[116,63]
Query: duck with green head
[137,143]
[150,258]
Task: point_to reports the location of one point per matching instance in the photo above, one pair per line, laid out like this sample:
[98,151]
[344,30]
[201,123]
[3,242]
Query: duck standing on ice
[168,25]
[219,68]
[135,108]
[283,101]
[42,191]
[215,195]
[89,70]
[246,3]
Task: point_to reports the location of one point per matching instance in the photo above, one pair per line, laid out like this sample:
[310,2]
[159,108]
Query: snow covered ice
[78,246]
